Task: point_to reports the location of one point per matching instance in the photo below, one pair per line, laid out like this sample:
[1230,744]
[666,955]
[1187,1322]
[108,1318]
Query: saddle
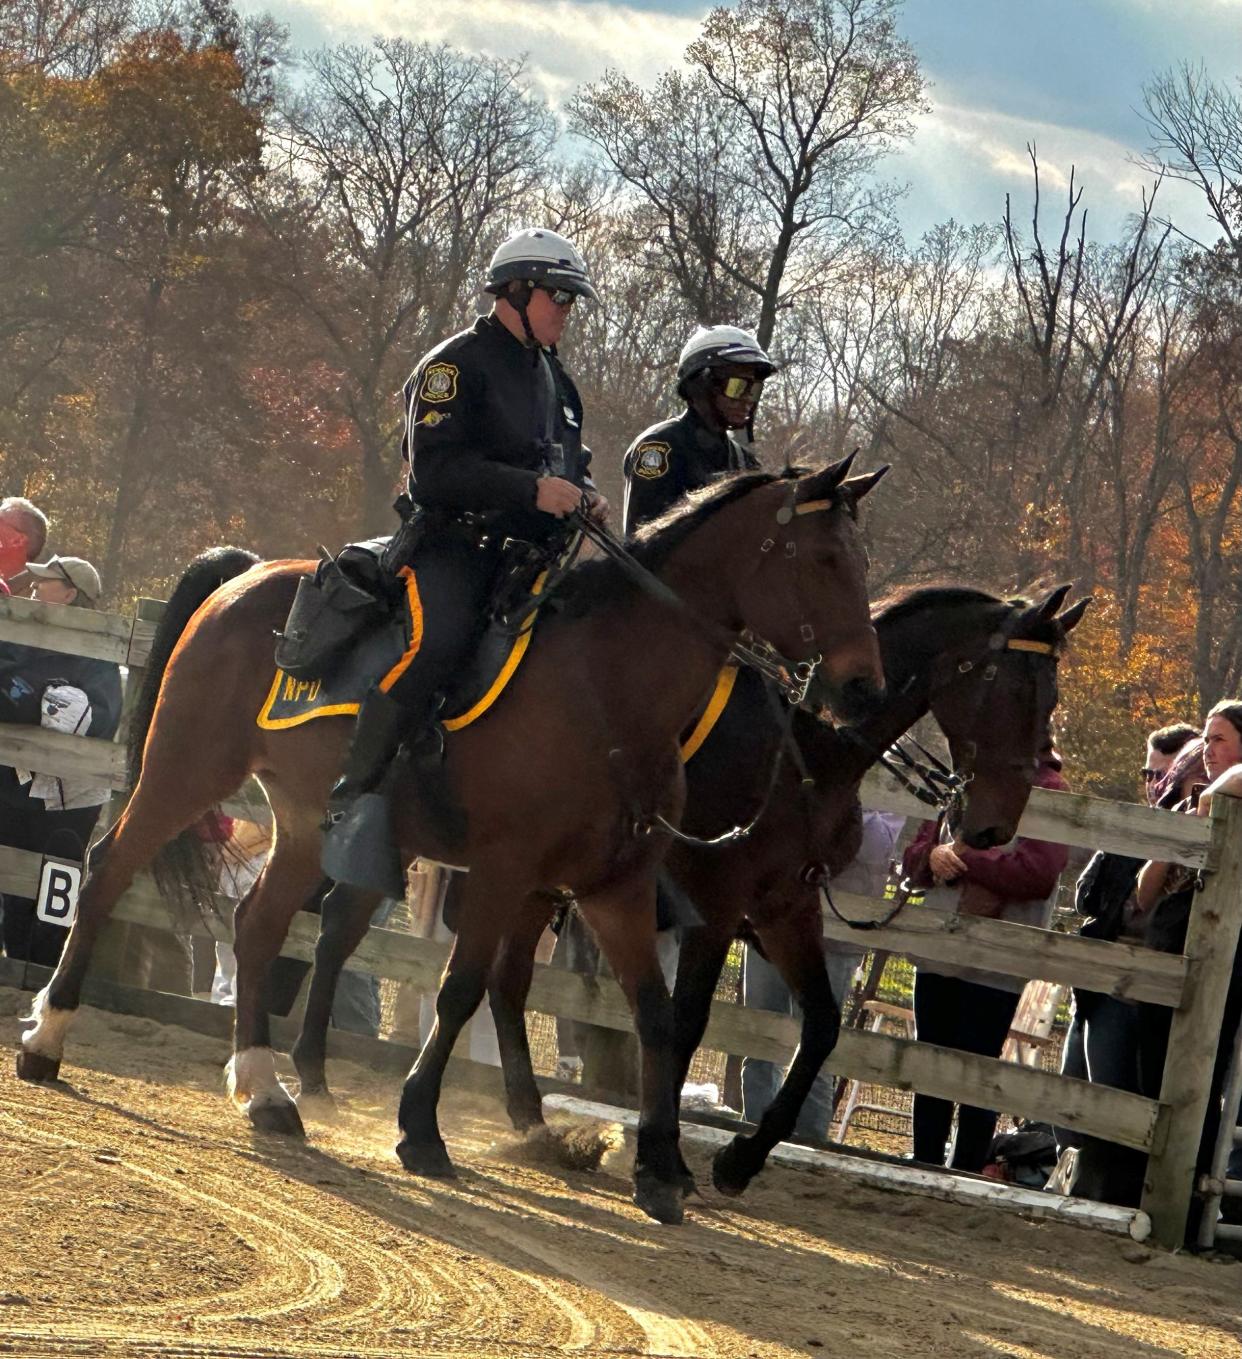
[351,624]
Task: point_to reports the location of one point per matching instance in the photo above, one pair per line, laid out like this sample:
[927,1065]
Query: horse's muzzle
[988,837]
[856,699]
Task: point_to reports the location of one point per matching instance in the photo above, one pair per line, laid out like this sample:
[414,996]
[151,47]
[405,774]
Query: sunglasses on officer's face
[739,388]
[561,297]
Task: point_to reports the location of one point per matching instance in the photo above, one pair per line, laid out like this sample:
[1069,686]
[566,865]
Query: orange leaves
[176,112]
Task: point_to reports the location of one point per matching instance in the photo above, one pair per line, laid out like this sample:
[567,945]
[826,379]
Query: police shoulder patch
[439,382]
[651,459]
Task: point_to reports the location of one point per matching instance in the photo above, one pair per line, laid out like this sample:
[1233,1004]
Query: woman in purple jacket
[968,1008]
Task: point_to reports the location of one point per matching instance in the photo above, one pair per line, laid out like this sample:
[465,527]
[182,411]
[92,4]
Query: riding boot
[358,846]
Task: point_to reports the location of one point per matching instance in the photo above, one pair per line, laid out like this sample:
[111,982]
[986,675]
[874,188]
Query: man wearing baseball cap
[65,580]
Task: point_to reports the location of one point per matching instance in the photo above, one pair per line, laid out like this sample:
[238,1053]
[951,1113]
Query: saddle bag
[329,613]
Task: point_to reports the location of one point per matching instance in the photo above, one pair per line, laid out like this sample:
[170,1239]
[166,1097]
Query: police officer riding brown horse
[493,439]
[566,782]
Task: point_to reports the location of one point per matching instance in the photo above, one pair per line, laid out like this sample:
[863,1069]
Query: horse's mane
[595,582]
[907,598]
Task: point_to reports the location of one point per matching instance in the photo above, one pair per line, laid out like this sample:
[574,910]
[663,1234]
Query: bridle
[792,678]
[929,779]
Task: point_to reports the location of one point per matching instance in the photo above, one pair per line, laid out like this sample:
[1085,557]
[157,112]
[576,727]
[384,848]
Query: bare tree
[400,163]
[752,170]
[1196,130]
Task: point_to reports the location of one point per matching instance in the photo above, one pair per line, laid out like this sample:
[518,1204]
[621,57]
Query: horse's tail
[204,575]
[182,870]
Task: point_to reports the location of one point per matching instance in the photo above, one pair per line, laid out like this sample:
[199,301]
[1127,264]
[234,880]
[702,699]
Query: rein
[942,787]
[793,678]
[786,742]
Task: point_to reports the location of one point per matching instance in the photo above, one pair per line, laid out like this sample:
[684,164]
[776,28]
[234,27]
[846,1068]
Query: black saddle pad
[381,652]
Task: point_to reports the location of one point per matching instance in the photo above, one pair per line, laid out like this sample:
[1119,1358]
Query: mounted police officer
[720,375]
[494,441]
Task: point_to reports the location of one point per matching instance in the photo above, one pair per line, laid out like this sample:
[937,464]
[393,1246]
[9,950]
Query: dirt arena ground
[139,1216]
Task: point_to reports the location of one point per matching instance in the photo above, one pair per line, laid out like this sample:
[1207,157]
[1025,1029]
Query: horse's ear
[857,487]
[820,485]
[1047,609]
[1072,616]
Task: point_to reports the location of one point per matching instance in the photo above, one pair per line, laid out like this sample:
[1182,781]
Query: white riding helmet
[541,257]
[716,346]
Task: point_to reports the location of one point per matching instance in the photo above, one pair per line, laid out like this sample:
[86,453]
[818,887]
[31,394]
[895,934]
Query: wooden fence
[1192,985]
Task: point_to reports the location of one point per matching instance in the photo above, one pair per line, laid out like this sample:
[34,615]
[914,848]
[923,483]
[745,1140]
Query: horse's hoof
[661,1200]
[34,1066]
[730,1176]
[430,1159]
[272,1117]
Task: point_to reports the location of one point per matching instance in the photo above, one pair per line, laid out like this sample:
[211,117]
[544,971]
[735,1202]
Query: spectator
[967,1008]
[1170,892]
[764,988]
[44,813]
[23,536]
[1104,1044]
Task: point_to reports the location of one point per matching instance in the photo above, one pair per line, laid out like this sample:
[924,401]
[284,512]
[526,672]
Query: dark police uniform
[486,417]
[671,458]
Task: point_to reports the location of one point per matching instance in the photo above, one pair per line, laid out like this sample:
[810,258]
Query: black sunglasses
[561,297]
[1149,774]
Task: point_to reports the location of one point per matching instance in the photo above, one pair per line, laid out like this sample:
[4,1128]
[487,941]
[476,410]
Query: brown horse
[561,782]
[985,667]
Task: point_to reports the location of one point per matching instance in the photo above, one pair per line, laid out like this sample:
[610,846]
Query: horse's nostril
[858,698]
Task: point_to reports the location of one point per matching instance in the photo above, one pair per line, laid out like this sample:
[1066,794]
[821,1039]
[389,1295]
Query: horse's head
[994,698]
[807,591]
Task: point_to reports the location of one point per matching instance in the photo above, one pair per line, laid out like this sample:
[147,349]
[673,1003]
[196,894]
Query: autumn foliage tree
[216,277]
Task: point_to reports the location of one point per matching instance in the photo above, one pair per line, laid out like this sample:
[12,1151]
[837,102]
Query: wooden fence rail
[1192,985]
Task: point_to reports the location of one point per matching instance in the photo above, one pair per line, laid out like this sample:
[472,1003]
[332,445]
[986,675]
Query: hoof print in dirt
[34,1067]
[429,1159]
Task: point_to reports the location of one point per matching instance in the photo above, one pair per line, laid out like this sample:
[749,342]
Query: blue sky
[1067,74]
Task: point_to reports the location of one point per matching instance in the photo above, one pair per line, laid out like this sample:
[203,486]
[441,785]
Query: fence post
[1211,941]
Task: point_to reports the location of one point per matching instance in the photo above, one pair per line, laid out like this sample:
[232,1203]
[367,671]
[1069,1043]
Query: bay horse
[986,669]
[561,783]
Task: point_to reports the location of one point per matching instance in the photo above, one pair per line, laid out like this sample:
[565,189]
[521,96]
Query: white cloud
[964,159]
[568,41]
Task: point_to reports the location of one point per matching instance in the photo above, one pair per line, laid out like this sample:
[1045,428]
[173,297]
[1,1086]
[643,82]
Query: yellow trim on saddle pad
[711,714]
[416,630]
[512,661]
[294,692]
[286,689]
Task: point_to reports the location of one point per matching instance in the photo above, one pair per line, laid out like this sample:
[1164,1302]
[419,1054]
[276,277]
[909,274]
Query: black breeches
[454,581]
[61,835]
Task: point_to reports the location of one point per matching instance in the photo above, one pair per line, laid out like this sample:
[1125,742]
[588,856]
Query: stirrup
[358,847]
